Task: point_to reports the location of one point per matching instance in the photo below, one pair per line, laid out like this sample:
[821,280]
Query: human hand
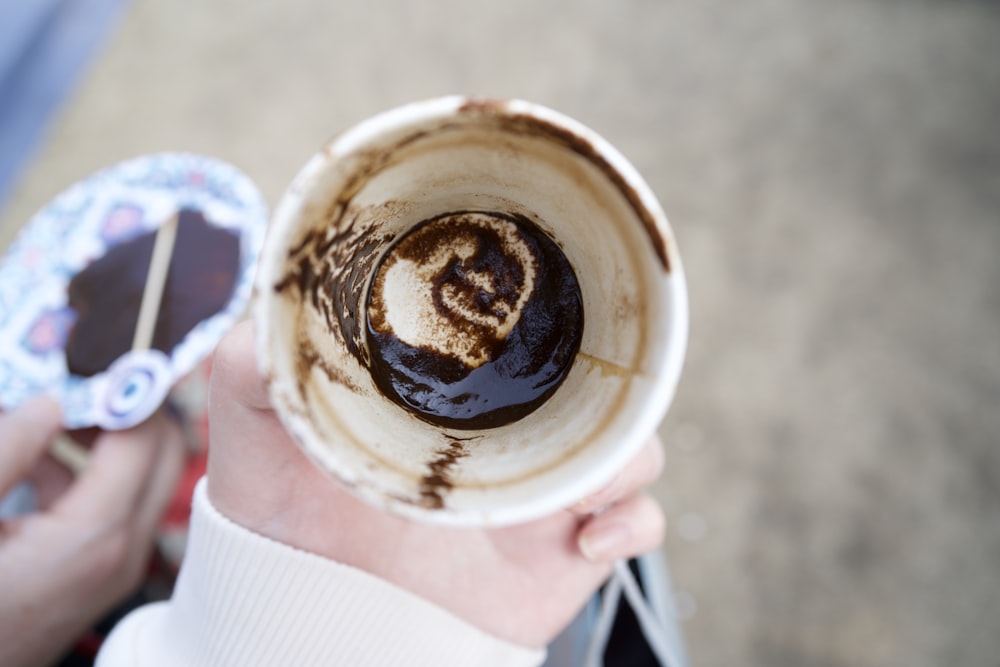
[521,583]
[67,564]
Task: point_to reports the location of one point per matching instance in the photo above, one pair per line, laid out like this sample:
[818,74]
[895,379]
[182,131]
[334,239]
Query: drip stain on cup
[436,482]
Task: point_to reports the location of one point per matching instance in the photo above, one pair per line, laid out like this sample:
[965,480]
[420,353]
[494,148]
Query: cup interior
[391,173]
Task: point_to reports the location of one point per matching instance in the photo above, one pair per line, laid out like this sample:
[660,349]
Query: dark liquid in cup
[473,320]
[107,294]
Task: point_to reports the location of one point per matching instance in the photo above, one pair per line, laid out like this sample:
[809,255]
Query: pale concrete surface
[832,170]
[44,47]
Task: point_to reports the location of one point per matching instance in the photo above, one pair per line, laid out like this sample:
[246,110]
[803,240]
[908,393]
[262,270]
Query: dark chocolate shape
[106,295]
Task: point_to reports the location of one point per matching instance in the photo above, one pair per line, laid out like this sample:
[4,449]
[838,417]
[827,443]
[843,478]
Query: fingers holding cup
[640,472]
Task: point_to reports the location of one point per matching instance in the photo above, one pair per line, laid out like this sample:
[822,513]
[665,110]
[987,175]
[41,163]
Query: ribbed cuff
[244,599]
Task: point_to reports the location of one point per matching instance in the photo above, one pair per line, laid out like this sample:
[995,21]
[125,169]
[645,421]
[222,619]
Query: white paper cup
[400,168]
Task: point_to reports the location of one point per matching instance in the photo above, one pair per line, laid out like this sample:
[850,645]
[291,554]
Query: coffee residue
[436,482]
[106,295]
[474,320]
[328,268]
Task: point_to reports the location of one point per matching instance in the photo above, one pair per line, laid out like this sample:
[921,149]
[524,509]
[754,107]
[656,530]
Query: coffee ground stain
[605,367]
[526,124]
[309,358]
[436,482]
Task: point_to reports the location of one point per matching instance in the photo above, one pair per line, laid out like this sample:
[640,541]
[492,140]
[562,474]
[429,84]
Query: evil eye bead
[137,385]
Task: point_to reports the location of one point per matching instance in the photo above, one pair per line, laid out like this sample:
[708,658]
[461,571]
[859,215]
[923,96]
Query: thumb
[247,441]
[25,436]
[235,377]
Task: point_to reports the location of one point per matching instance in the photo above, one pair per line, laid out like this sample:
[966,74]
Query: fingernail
[606,543]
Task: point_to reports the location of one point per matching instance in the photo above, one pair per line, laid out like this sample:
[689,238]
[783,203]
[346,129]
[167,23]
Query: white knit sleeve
[242,599]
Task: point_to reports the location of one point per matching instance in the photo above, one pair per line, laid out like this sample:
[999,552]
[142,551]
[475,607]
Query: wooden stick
[156,278]
[66,451]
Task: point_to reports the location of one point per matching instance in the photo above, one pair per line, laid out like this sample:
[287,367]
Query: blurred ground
[832,171]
